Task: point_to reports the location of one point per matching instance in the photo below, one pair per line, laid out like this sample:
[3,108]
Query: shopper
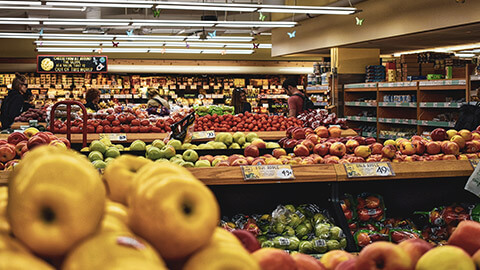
[239,101]
[296,97]
[12,105]
[157,104]
[28,97]
[92,98]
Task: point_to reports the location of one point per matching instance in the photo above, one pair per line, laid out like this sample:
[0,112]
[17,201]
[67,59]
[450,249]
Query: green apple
[190,155]
[148,147]
[251,136]
[167,151]
[246,144]
[176,144]
[333,244]
[112,152]
[119,147]
[219,145]
[162,160]
[95,155]
[211,143]
[106,141]
[272,145]
[193,146]
[238,137]
[234,146]
[187,164]
[177,161]
[158,143]
[202,163]
[186,146]
[177,156]
[217,160]
[227,139]
[99,164]
[153,153]
[108,160]
[99,146]
[138,145]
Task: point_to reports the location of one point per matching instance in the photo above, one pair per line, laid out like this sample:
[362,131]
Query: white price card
[267,172]
[181,87]
[473,183]
[117,137]
[369,169]
[198,135]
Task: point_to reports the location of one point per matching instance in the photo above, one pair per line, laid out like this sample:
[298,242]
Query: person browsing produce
[239,101]
[92,98]
[12,105]
[296,97]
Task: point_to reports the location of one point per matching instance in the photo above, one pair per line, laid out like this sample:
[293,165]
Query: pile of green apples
[237,140]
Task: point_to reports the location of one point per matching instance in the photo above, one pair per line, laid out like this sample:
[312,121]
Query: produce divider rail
[150,137]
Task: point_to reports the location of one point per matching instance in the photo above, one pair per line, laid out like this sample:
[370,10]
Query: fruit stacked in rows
[321,117]
[306,229]
[245,122]
[214,109]
[32,114]
[65,218]
[19,143]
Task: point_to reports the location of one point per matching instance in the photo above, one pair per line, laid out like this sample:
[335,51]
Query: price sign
[267,172]
[474,162]
[182,87]
[198,135]
[118,137]
[354,170]
[473,183]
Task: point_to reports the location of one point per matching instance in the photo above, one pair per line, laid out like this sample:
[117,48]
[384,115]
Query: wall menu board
[71,64]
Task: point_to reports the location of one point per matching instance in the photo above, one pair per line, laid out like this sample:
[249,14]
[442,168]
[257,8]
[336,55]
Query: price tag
[194,86]
[354,170]
[206,87]
[173,87]
[118,137]
[216,87]
[267,172]
[182,87]
[198,135]
[473,183]
[474,162]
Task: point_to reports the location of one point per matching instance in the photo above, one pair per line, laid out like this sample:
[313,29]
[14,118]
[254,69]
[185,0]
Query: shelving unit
[420,106]
[320,94]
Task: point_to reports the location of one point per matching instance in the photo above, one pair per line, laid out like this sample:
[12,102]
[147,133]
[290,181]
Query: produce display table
[150,137]
[329,173]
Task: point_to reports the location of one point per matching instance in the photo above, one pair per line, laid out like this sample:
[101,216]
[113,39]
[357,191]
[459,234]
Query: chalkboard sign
[71,64]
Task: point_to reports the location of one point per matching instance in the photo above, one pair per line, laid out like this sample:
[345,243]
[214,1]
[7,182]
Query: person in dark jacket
[12,105]
[239,101]
[92,98]
[28,96]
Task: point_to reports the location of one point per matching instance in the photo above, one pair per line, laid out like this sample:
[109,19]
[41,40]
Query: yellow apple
[18,260]
[8,243]
[445,257]
[119,174]
[51,209]
[113,250]
[175,212]
[224,251]
[117,210]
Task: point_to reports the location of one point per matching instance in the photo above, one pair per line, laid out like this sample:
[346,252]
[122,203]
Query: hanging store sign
[71,64]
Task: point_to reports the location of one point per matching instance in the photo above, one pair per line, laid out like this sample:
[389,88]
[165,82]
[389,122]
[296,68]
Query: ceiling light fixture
[141,50]
[234,7]
[151,44]
[125,37]
[43,8]
[151,23]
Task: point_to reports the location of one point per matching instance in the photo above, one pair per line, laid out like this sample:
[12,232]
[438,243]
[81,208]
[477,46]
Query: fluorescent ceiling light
[151,44]
[16,3]
[125,37]
[113,5]
[446,49]
[209,6]
[42,8]
[465,55]
[142,50]
[151,23]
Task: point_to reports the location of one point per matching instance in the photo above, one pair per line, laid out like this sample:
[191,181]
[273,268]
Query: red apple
[7,153]
[307,262]
[274,259]
[466,236]
[258,161]
[309,144]
[239,162]
[16,137]
[251,151]
[313,138]
[338,149]
[322,132]
[301,150]
[335,132]
[19,146]
[321,149]
[438,134]
[351,145]
[278,152]
[450,148]
[35,141]
[383,255]
[376,148]
[419,147]
[407,148]
[388,151]
[415,248]
[433,148]
[290,143]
